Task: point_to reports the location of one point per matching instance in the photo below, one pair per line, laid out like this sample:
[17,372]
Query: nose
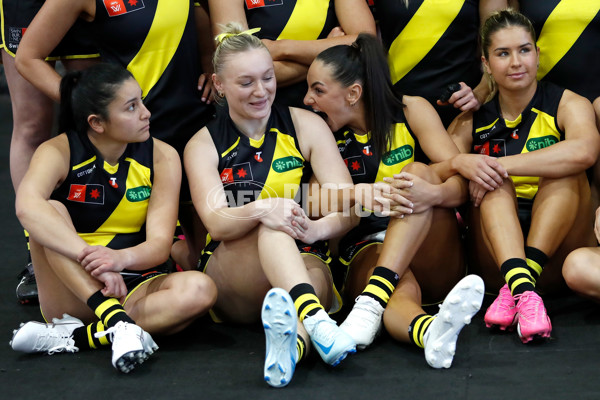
[145,114]
[259,90]
[515,59]
[308,99]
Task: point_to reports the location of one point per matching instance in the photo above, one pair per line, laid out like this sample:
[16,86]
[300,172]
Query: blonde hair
[234,39]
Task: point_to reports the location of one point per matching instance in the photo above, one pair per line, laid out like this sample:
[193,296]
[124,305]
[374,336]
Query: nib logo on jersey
[120,7]
[89,194]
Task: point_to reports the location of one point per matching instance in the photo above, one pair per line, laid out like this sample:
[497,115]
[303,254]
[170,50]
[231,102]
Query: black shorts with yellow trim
[135,279]
[318,249]
[16,15]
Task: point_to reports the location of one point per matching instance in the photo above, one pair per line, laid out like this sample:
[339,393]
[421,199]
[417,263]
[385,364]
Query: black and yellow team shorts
[134,279]
[16,15]
[318,249]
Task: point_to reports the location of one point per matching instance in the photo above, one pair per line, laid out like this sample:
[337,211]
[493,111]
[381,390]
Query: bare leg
[167,304]
[582,272]
[32,119]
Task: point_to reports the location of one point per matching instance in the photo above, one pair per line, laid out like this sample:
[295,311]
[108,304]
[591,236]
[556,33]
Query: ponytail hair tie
[226,35]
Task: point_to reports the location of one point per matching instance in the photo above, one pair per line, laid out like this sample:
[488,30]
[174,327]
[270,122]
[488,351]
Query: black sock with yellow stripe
[536,260]
[28,246]
[108,309]
[84,336]
[301,347]
[418,327]
[381,285]
[517,276]
[306,300]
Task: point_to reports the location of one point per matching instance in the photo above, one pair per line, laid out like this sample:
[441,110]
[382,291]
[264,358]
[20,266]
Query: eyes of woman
[249,82]
[522,50]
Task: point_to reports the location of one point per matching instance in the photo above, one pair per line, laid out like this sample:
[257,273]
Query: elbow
[21,64]
[22,212]
[589,155]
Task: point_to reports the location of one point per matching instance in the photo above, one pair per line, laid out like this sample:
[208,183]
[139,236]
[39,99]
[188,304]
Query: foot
[27,292]
[131,345]
[463,301]
[502,312]
[280,323]
[37,337]
[363,322]
[332,343]
[532,317]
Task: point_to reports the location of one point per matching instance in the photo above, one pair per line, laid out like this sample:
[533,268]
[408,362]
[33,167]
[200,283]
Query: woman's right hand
[114,285]
[481,169]
[284,215]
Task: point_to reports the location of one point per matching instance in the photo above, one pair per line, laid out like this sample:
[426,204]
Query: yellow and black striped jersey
[535,128]
[108,203]
[568,33]
[156,41]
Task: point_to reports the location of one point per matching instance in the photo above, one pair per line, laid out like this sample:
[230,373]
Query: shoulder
[416,105]
[57,146]
[305,120]
[574,107]
[164,151]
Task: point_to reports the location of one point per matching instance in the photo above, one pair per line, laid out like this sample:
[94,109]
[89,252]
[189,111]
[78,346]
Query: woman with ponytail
[394,264]
[100,203]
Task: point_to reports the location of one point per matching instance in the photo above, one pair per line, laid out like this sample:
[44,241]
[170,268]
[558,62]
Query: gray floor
[225,362]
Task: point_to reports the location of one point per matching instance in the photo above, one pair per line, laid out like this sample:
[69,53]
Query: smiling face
[513,58]
[329,98]
[248,83]
[128,118]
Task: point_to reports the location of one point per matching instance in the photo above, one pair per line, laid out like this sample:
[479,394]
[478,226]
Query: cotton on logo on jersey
[120,7]
[91,194]
[250,4]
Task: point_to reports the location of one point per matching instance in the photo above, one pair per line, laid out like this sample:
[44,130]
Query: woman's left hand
[421,194]
[99,259]
[205,85]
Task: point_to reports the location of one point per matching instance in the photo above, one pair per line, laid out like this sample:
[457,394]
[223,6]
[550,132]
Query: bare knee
[421,170]
[195,292]
[576,268]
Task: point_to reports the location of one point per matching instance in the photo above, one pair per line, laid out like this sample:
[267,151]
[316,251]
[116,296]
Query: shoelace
[108,332]
[49,339]
[505,300]
[529,304]
[368,313]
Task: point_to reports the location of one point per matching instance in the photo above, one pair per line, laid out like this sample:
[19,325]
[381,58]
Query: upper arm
[355,17]
[164,198]
[49,166]
[428,128]
[461,131]
[50,26]
[224,11]
[577,119]
[319,148]
[201,162]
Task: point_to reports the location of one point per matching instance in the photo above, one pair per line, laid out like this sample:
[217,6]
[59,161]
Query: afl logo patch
[120,7]
[250,4]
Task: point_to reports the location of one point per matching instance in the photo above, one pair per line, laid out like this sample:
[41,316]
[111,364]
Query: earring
[221,94]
